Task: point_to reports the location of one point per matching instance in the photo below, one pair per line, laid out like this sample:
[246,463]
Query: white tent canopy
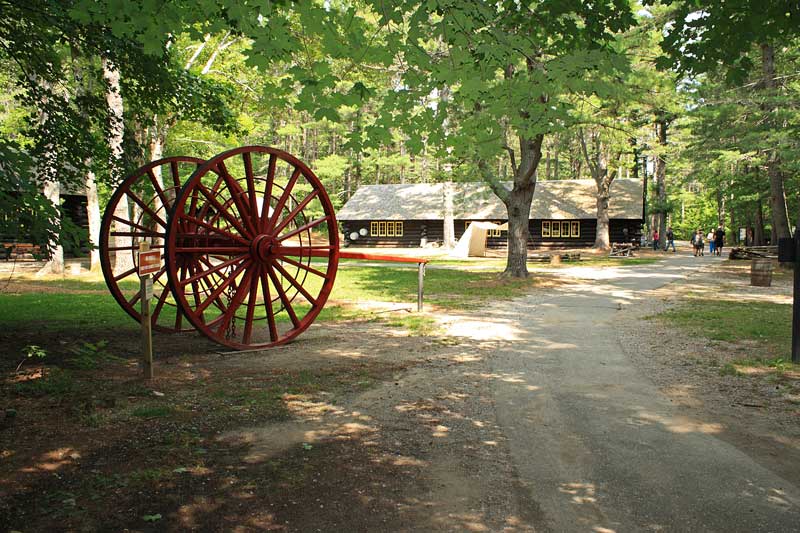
[473,242]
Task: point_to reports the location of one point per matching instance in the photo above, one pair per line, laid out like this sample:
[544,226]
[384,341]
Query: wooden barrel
[761,272]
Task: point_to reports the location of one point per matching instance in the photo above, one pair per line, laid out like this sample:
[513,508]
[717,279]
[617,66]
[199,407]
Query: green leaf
[151,517]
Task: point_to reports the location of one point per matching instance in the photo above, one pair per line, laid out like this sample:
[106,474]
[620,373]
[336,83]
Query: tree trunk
[661,176]
[602,240]
[51,188]
[124,258]
[449,222]
[90,183]
[55,264]
[518,202]
[758,230]
[93,214]
[777,197]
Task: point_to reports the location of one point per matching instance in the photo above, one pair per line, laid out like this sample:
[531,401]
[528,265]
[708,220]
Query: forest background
[699,98]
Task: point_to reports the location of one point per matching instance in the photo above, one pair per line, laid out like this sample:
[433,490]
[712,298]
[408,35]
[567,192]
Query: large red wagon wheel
[240,246]
[137,212]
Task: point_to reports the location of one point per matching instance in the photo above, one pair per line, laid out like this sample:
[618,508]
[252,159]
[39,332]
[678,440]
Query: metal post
[420,284]
[147,334]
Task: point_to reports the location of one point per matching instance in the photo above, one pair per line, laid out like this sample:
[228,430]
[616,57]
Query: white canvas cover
[473,242]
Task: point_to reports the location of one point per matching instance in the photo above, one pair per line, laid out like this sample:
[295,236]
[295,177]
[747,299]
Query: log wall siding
[435,234]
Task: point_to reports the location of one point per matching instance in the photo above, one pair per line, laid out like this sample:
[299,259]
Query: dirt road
[596,443]
[527,416]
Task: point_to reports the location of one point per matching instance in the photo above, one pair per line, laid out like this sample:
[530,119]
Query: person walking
[697,241]
[670,240]
[719,240]
[710,239]
[655,239]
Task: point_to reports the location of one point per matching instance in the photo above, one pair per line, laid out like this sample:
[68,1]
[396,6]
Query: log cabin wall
[411,237]
[434,230]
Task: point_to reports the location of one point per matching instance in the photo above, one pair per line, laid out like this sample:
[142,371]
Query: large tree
[706,36]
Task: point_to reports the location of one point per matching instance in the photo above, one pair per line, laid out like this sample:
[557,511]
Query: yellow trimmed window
[561,229]
[496,232]
[386,228]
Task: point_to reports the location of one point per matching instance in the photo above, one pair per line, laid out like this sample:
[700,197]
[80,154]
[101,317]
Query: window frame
[575,229]
[373,229]
[546,228]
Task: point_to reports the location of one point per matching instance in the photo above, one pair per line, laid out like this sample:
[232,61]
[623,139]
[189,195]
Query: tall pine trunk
[661,126]
[777,197]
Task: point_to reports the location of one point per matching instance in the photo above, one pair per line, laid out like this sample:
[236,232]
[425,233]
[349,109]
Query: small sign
[149,262]
[148,288]
[742,234]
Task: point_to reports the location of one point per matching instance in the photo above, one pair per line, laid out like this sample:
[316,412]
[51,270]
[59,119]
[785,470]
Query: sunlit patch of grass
[768,324]
[416,324]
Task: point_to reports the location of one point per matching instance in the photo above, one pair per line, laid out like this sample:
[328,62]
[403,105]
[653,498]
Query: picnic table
[623,249]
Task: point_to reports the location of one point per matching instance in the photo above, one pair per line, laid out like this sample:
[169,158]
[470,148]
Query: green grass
[152,411]
[96,310]
[723,320]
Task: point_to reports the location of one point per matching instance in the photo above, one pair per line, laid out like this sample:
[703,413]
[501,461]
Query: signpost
[789,252]
[149,263]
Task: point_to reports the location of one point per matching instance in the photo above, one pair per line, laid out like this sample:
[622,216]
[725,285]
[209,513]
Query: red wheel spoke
[236,301]
[251,190]
[273,328]
[159,190]
[287,304]
[222,210]
[129,223]
[136,247]
[176,179]
[126,274]
[212,270]
[217,183]
[251,308]
[224,285]
[161,301]
[305,267]
[283,199]
[304,227]
[136,234]
[295,283]
[268,191]
[302,205]
[216,249]
[214,229]
[146,208]
[136,298]
[236,195]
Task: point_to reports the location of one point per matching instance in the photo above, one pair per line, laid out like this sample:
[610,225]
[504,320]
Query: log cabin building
[563,213]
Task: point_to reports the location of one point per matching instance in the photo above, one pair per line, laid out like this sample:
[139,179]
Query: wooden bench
[548,258]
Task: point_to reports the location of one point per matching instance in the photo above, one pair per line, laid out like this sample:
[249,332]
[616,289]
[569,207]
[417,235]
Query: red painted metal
[239,250]
[149,200]
[379,257]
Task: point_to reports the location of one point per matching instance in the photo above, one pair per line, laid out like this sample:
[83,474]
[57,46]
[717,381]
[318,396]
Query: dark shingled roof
[560,199]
